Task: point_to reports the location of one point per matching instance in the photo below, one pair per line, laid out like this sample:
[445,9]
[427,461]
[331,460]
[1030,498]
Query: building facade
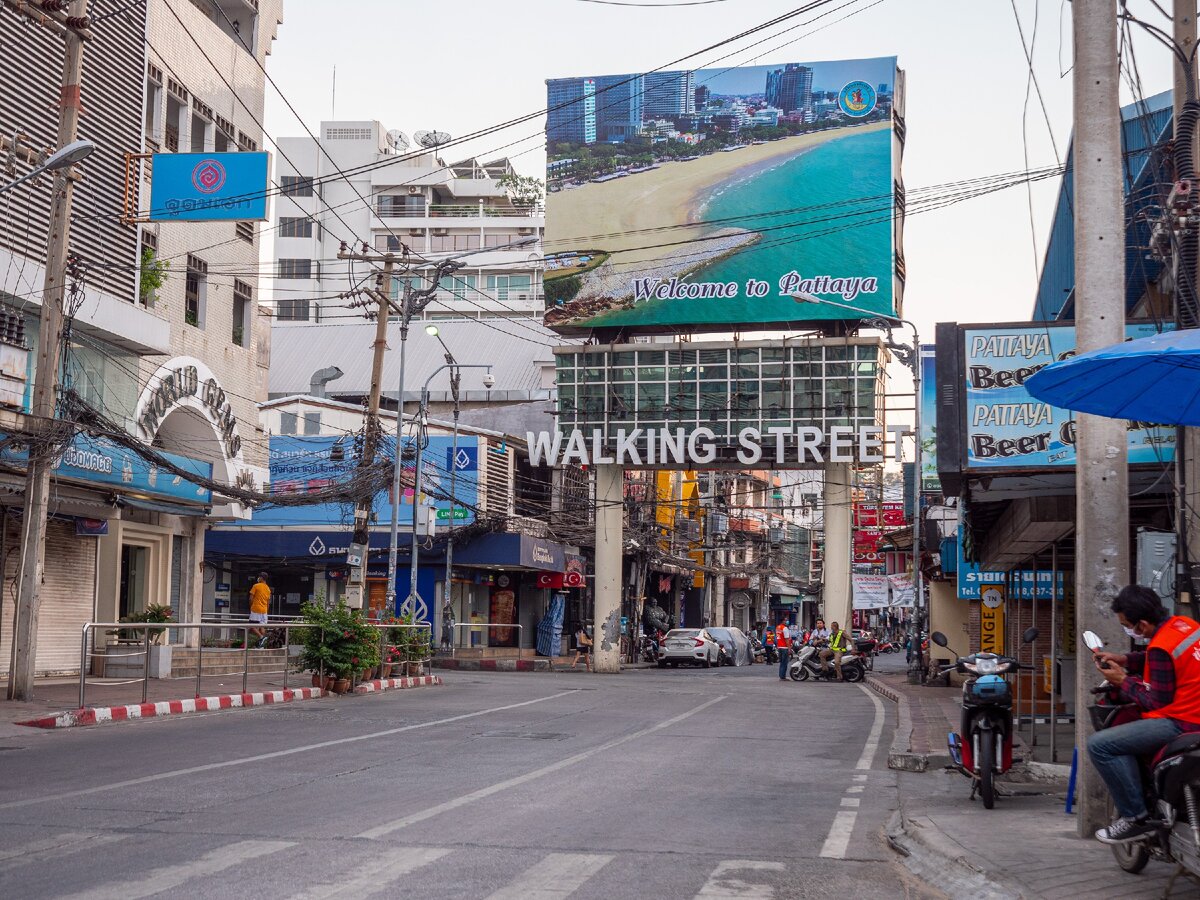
[669,93]
[571,110]
[790,88]
[397,196]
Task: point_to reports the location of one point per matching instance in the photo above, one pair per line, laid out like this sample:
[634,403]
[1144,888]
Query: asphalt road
[688,783]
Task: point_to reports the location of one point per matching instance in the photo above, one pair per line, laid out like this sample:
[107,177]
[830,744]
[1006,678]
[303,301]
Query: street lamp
[912,359]
[74,152]
[420,439]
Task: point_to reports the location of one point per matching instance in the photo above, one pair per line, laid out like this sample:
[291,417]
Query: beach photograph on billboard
[715,197]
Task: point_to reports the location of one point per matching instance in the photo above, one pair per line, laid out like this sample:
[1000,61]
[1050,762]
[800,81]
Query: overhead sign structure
[708,199]
[1006,428]
[208,187]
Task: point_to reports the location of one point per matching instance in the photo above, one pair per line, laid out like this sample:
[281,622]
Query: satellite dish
[397,139]
[432,139]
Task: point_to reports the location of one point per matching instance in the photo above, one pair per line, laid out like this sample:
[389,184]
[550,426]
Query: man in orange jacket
[1168,693]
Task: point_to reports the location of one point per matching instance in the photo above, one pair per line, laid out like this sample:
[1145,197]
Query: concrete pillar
[837,597]
[610,527]
[1102,472]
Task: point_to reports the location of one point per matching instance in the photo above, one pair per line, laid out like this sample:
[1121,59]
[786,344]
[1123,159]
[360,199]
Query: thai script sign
[195,187]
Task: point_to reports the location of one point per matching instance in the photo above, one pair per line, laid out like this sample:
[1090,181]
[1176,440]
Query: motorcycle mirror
[940,639]
[1029,636]
[1092,640]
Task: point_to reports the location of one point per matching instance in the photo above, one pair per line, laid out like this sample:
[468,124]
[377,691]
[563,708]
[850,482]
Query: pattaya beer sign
[665,447]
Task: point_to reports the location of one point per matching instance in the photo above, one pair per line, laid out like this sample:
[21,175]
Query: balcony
[456,211]
[171,138]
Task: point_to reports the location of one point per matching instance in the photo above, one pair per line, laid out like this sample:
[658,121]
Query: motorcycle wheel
[797,673]
[853,674]
[987,771]
[662,663]
[1130,857]
[803,675]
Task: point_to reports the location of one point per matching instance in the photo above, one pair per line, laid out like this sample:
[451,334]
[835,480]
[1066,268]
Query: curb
[938,861]
[395,684]
[95,715]
[493,665]
[900,755]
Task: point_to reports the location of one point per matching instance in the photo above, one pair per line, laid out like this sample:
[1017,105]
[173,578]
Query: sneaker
[1125,830]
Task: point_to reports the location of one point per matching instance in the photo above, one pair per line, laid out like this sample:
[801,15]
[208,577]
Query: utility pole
[356,583]
[45,385]
[1102,476]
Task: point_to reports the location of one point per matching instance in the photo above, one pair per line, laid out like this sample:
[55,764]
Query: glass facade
[723,387]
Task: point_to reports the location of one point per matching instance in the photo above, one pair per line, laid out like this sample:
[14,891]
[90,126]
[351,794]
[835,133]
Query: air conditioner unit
[414,190]
[524,231]
[416,232]
[775,536]
[441,232]
[691,529]
[718,523]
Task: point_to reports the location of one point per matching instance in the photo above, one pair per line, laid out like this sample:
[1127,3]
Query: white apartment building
[396,194]
[182,367]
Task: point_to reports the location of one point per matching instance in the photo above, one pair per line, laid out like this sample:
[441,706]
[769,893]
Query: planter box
[128,661]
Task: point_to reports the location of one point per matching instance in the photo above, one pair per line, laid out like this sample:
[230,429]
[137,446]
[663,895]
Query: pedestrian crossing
[356,869]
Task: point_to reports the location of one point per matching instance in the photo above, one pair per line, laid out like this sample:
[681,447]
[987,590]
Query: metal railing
[520,633]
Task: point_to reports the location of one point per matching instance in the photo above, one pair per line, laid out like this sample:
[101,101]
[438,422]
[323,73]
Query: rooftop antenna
[431,140]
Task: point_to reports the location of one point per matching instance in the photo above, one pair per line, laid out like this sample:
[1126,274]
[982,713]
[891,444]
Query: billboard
[208,187]
[930,482]
[301,464]
[1007,428]
[709,199]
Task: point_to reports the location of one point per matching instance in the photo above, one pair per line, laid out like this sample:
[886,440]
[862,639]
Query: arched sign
[186,382]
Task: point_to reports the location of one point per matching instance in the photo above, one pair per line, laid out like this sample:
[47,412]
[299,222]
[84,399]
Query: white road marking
[838,839]
[840,832]
[378,872]
[165,878]
[557,876]
[469,798]
[52,848]
[858,777]
[722,886]
[855,789]
[241,761]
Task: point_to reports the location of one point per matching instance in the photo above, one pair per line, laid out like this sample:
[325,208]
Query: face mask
[1133,634]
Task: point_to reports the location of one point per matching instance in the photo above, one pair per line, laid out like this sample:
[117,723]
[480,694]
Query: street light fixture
[912,359]
[74,152]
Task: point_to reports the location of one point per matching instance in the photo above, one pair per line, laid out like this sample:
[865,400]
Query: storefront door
[135,562]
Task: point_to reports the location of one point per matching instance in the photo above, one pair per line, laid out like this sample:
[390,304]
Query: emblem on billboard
[992,598]
[208,177]
[857,99]
[317,547]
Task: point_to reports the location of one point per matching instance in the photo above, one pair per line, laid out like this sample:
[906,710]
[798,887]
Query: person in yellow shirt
[260,600]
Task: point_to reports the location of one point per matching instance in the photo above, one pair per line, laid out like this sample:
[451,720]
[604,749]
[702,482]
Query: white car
[689,645]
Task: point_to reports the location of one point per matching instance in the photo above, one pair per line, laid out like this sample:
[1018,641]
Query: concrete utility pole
[837,596]
[45,385]
[610,535]
[1102,476]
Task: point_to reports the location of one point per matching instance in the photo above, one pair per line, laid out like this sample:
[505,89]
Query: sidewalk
[1024,848]
[926,716]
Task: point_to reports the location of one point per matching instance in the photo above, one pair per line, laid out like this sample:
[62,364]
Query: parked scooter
[649,649]
[807,664]
[1171,781]
[982,748]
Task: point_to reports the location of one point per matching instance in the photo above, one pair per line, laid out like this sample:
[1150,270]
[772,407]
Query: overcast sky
[462,67]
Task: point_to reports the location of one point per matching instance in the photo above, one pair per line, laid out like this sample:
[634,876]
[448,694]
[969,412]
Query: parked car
[735,646]
[689,645]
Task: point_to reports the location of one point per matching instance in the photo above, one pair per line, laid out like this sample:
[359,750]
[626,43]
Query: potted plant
[341,643]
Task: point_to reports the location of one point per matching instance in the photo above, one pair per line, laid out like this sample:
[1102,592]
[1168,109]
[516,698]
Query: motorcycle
[649,648]
[982,749]
[807,664]
[1171,781]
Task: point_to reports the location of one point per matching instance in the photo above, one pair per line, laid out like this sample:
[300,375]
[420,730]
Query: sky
[419,65]
[827,76]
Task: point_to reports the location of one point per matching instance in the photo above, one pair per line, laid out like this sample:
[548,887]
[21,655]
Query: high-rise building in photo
[790,88]
[571,110]
[702,96]
[669,94]
[618,104]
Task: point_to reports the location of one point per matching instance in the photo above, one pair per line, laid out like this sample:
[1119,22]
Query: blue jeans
[1114,753]
[783,662]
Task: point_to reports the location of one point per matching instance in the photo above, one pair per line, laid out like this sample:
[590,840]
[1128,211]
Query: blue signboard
[972,579]
[928,436]
[194,187]
[1008,428]
[302,463]
[98,460]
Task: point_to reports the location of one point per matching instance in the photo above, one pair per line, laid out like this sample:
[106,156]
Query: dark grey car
[735,644]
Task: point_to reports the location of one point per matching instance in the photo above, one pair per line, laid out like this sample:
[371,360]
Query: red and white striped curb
[391,684]
[97,714]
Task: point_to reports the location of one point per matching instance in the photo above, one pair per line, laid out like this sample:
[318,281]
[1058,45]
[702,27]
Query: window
[298,269]
[149,240]
[287,423]
[246,143]
[292,311]
[404,206]
[243,301]
[295,186]
[312,423]
[458,286]
[502,286]
[295,226]
[225,132]
[195,291]
[245,230]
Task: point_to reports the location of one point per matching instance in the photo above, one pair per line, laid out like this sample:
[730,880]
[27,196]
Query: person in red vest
[1168,693]
[783,646]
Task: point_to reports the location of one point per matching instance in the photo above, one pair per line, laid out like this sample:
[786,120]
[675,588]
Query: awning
[174,509]
[784,589]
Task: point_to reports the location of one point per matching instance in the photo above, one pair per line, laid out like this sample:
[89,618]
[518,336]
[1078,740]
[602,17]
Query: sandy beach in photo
[671,195]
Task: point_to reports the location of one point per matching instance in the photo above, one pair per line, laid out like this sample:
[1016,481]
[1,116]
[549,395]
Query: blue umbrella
[1153,379]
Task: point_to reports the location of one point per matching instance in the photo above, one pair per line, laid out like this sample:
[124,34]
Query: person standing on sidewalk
[783,646]
[260,602]
[1168,694]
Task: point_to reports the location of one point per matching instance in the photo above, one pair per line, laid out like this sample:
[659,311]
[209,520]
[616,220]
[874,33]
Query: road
[688,783]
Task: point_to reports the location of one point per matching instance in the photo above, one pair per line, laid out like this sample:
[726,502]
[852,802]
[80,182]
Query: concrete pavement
[684,783]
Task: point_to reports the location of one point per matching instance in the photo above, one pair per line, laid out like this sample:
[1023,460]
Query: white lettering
[751,452]
[543,445]
[897,432]
[627,450]
[839,441]
[694,449]
[780,447]
[598,456]
[576,449]
[870,443]
[672,445]
[808,439]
